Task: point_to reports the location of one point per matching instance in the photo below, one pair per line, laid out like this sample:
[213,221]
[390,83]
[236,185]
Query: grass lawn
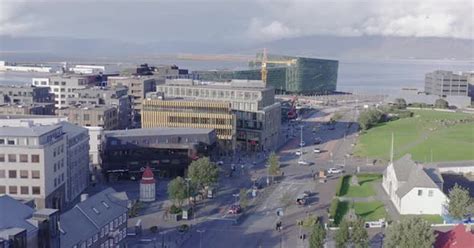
[431,218]
[364,190]
[370,211]
[423,136]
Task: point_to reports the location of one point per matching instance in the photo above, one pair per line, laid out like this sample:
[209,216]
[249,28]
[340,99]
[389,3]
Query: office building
[217,115]
[91,116]
[285,73]
[258,116]
[446,83]
[27,109]
[111,96]
[137,86]
[96,135]
[97,221]
[25,94]
[63,85]
[21,226]
[168,151]
[33,163]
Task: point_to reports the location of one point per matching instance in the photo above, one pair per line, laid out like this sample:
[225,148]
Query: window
[11,157]
[3,189]
[23,158]
[35,174]
[36,190]
[11,142]
[2,157]
[86,117]
[23,174]
[430,193]
[420,192]
[13,190]
[2,141]
[12,174]
[2,174]
[35,158]
[24,190]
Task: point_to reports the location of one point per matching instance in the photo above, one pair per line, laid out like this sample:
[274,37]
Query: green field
[424,136]
[370,211]
[431,218]
[365,188]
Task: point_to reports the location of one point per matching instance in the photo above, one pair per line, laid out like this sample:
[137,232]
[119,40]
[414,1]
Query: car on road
[317,141]
[334,171]
[302,143]
[298,153]
[302,162]
[317,150]
[220,163]
[234,209]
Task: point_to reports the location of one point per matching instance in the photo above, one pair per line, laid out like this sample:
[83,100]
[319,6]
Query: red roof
[148,177]
[458,237]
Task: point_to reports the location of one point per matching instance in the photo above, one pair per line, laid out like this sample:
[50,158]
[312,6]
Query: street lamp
[200,236]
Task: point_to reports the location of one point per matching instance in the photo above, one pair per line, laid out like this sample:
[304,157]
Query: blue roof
[15,214]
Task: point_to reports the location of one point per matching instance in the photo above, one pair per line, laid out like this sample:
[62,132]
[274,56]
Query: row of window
[24,190]
[24,174]
[430,192]
[58,180]
[22,158]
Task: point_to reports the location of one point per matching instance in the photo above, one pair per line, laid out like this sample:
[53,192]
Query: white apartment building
[33,163]
[62,86]
[96,137]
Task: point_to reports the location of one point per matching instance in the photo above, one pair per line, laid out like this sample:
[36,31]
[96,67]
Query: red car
[234,209]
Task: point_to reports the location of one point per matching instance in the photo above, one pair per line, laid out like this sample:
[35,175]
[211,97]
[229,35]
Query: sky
[235,21]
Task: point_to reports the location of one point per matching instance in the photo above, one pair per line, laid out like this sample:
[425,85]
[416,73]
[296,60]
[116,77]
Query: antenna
[391,151]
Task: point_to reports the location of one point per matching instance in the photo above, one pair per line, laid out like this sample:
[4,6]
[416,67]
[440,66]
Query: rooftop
[14,214]
[459,237]
[28,130]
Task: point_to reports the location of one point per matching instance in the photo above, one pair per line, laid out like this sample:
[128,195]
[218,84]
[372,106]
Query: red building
[459,237]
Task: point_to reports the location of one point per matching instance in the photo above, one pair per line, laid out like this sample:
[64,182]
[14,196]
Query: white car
[302,162]
[298,153]
[317,150]
[334,171]
[302,143]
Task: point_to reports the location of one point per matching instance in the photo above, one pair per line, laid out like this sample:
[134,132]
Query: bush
[340,185]
[175,210]
[333,208]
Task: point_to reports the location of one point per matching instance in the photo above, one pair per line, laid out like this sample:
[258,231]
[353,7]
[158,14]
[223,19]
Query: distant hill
[17,48]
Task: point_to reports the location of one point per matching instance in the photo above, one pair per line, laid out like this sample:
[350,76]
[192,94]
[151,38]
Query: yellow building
[192,114]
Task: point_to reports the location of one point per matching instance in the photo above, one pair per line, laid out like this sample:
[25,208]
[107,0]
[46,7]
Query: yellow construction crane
[265,61]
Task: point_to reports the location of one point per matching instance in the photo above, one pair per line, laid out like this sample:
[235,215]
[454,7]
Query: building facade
[27,109]
[92,116]
[137,86]
[446,83]
[258,116]
[98,221]
[96,135]
[33,163]
[25,94]
[192,114]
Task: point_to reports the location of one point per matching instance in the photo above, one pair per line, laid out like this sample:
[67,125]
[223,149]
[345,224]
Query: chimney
[84,197]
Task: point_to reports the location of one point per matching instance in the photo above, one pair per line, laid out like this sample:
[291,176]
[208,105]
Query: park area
[429,136]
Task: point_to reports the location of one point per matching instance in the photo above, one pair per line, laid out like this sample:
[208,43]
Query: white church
[414,189]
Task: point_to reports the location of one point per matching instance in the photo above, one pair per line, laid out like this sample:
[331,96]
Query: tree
[459,202]
[203,172]
[369,118]
[310,221]
[273,165]
[177,191]
[243,198]
[441,103]
[317,236]
[342,235]
[359,235]
[400,103]
[411,232]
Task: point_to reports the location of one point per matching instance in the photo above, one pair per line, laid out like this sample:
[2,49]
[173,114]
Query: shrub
[340,185]
[175,210]
[333,208]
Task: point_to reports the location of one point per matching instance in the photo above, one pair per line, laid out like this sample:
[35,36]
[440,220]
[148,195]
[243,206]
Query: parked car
[334,171]
[302,143]
[301,199]
[317,141]
[317,150]
[375,224]
[302,162]
[234,209]
[220,163]
[298,153]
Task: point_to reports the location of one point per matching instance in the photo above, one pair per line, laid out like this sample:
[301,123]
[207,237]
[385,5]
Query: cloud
[416,18]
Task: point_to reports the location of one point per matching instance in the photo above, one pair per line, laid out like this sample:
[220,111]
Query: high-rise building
[446,83]
[258,116]
[192,114]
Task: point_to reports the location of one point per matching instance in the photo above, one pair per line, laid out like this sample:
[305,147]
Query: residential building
[137,86]
[33,162]
[460,236]
[258,115]
[98,221]
[111,96]
[446,83]
[285,73]
[414,189]
[168,151]
[27,109]
[21,226]
[62,85]
[91,116]
[217,115]
[78,171]
[25,94]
